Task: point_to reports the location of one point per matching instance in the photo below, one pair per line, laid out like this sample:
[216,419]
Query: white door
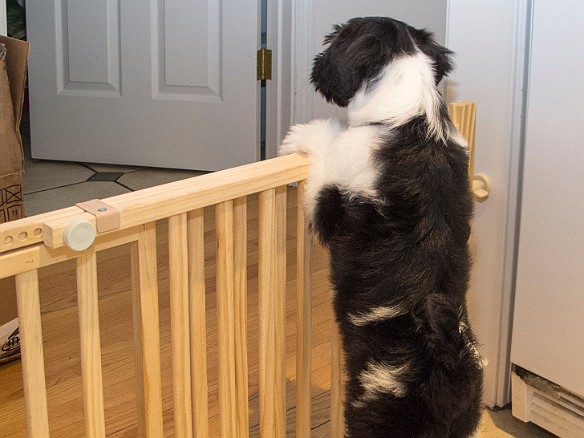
[163,83]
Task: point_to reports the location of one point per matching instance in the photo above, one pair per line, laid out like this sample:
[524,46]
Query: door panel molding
[88,48]
[188,47]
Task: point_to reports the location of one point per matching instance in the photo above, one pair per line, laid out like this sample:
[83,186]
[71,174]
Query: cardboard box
[13,61]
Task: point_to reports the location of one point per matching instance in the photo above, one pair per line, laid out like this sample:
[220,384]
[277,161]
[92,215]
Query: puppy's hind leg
[328,213]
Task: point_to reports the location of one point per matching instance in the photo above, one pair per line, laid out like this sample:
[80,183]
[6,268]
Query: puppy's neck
[404,89]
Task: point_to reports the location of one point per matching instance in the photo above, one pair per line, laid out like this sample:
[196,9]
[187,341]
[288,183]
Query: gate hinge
[264,64]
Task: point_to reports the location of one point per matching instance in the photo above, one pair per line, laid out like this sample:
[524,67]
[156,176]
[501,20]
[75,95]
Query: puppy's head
[357,51]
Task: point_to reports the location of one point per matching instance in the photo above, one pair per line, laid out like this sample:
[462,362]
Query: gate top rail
[161,201]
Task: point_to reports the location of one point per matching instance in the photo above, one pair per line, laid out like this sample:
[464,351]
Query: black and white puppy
[388,194]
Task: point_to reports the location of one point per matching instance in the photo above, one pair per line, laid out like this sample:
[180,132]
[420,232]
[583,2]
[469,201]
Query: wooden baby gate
[33,243]
[36,242]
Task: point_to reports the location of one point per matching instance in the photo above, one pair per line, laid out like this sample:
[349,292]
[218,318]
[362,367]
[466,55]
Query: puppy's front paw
[293,141]
[309,137]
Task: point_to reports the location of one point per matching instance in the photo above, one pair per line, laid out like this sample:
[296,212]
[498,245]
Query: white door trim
[302,50]
[289,95]
[3,24]
[515,173]
[279,90]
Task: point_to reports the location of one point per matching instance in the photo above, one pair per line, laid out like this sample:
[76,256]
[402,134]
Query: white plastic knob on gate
[79,235]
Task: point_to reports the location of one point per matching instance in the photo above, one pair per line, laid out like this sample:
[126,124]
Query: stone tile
[105,176]
[62,197]
[43,175]
[113,168]
[149,177]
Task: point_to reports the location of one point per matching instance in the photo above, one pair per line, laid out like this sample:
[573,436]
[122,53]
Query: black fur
[370,44]
[408,249]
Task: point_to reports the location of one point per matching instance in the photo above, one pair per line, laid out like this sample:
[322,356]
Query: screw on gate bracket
[106,216]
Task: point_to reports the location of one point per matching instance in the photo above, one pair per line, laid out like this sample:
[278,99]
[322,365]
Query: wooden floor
[61,341]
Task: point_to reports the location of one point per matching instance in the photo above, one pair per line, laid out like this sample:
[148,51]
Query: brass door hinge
[264,64]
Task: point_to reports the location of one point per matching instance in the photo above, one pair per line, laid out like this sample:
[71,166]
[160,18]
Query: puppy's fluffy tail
[446,333]
[455,373]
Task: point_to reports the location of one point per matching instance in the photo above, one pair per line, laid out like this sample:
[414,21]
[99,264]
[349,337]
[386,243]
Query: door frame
[303,49]
[279,89]
[3,23]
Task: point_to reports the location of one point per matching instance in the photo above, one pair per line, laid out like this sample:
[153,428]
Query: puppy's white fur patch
[381,378]
[376,314]
[405,89]
[337,156]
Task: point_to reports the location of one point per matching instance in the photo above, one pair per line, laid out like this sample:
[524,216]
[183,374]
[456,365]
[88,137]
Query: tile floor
[50,185]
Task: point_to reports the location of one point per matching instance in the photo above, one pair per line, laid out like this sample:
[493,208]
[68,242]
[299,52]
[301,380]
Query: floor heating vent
[546,404]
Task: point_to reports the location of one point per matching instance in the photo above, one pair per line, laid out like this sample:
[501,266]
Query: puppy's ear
[356,53]
[332,75]
[331,36]
[441,56]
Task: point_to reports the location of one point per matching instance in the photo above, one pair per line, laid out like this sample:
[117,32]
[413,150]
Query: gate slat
[33,361]
[200,386]
[303,320]
[91,373]
[147,332]
[271,299]
[179,325]
[240,314]
[225,319]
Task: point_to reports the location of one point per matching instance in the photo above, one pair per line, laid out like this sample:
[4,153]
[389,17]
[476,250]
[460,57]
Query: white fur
[405,89]
[376,314]
[338,156]
[380,378]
